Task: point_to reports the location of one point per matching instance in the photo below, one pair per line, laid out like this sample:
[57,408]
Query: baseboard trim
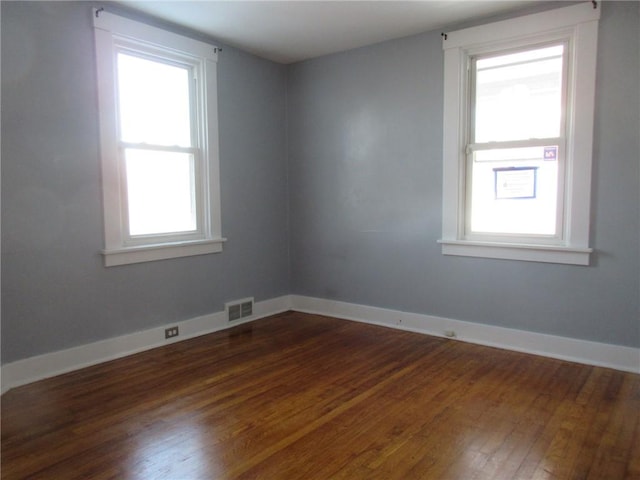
[36,368]
[607,355]
[48,365]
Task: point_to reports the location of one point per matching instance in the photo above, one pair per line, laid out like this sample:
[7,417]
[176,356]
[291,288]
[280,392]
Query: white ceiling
[290,31]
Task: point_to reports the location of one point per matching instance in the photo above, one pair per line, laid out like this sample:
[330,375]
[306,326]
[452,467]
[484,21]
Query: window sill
[150,253]
[508,251]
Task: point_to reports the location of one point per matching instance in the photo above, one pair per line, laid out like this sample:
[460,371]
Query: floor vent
[239,309]
[246,309]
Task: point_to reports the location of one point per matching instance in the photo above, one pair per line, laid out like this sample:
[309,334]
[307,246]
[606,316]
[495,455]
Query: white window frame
[114,33]
[577,25]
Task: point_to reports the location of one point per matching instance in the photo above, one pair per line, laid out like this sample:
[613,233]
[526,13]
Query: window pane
[161,194]
[514,191]
[153,102]
[519,96]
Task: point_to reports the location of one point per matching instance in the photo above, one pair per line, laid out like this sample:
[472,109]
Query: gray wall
[361,189]
[365,135]
[55,291]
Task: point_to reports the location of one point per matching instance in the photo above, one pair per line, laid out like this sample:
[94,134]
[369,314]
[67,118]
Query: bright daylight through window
[159,149]
[518,122]
[156,138]
[513,156]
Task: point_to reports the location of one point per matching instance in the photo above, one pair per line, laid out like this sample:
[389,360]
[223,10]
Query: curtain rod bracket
[444,35]
[594,3]
[99,11]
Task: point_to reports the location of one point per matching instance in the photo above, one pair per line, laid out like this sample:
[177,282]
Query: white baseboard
[581,351]
[48,365]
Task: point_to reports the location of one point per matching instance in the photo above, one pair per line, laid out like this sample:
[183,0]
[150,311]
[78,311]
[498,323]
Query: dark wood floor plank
[299,396]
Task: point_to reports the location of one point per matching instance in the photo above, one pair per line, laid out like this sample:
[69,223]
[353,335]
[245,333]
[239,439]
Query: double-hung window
[159,142]
[518,121]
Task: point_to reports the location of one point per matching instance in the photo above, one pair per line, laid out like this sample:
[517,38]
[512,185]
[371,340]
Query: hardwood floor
[300,396]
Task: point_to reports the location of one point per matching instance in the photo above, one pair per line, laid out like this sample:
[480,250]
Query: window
[159,142]
[518,122]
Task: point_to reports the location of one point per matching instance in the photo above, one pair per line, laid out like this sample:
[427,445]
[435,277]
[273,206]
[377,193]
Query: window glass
[514,191]
[161,194]
[519,95]
[153,102]
[155,110]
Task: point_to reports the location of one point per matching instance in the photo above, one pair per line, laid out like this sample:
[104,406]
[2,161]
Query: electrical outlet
[171,332]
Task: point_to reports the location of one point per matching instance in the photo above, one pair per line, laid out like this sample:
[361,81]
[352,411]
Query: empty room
[320,240]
